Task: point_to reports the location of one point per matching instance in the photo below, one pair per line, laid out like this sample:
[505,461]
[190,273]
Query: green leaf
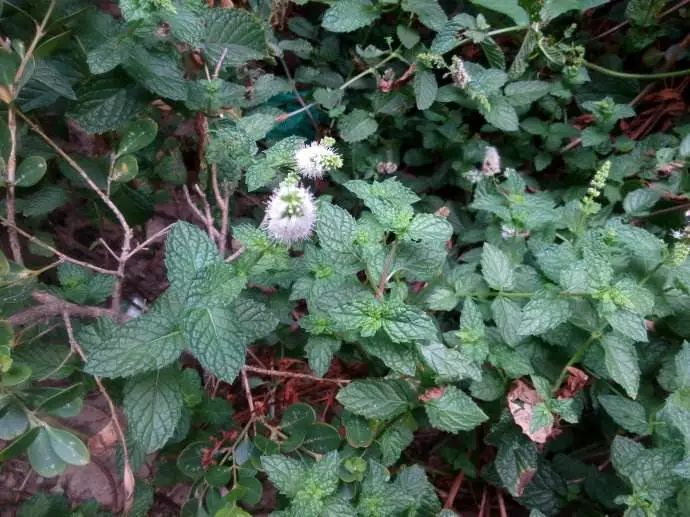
[407,36]
[125,168]
[425,88]
[393,441]
[149,342]
[501,114]
[187,251]
[521,93]
[448,363]
[629,324]
[218,336]
[628,414]
[516,464]
[136,135]
[68,447]
[429,12]
[349,15]
[508,317]
[321,438]
[493,53]
[683,367]
[649,471]
[104,107]
[238,31]
[376,398]
[429,227]
[510,8]
[519,64]
[153,406]
[497,269]
[542,313]
[640,201]
[19,445]
[359,432]
[643,13]
[30,171]
[454,411]
[336,229]
[357,125]
[43,458]
[405,324]
[285,473]
[620,357]
[320,351]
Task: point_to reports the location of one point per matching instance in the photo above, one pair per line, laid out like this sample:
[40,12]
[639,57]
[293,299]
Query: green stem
[369,70]
[579,354]
[625,75]
[512,28]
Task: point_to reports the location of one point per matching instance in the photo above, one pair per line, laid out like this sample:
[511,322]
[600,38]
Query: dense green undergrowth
[348,257]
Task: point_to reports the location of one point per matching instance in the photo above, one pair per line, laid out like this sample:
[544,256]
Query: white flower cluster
[291,211]
[316,159]
[491,165]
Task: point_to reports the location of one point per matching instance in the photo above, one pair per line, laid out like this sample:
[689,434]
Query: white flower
[458,73]
[290,213]
[316,159]
[492,162]
[474,176]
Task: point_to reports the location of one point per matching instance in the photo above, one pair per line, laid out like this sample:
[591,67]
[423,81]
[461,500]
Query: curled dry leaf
[521,401]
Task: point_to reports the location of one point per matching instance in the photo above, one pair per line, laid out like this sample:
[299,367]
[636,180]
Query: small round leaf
[125,169]
[43,458]
[30,171]
[68,447]
[137,135]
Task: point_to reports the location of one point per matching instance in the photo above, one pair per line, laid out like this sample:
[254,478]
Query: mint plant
[363,258]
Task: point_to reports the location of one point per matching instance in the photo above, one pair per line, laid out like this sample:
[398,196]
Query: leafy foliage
[325,246]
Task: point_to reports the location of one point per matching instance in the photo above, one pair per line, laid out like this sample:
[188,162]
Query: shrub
[392,258]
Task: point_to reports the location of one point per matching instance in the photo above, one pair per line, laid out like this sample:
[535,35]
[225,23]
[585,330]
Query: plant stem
[579,354]
[625,75]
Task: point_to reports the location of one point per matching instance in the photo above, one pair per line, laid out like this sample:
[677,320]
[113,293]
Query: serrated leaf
[628,414]
[336,228]
[320,351]
[238,31]
[429,12]
[510,8]
[376,398]
[187,251]
[501,114]
[349,15]
[285,473]
[405,324]
[454,411]
[508,316]
[543,313]
[218,336]
[428,227]
[493,53]
[519,64]
[497,269]
[153,405]
[425,88]
[103,108]
[448,363]
[393,441]
[629,324]
[357,125]
[521,93]
[620,357]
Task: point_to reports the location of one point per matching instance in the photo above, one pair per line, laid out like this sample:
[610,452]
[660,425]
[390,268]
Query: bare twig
[128,482]
[206,219]
[126,229]
[61,255]
[223,202]
[385,272]
[149,240]
[304,376]
[219,64]
[10,194]
[298,96]
[50,305]
[248,393]
[625,23]
[501,503]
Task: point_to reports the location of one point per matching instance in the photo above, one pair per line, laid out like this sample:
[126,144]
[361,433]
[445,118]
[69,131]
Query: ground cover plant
[349,257]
